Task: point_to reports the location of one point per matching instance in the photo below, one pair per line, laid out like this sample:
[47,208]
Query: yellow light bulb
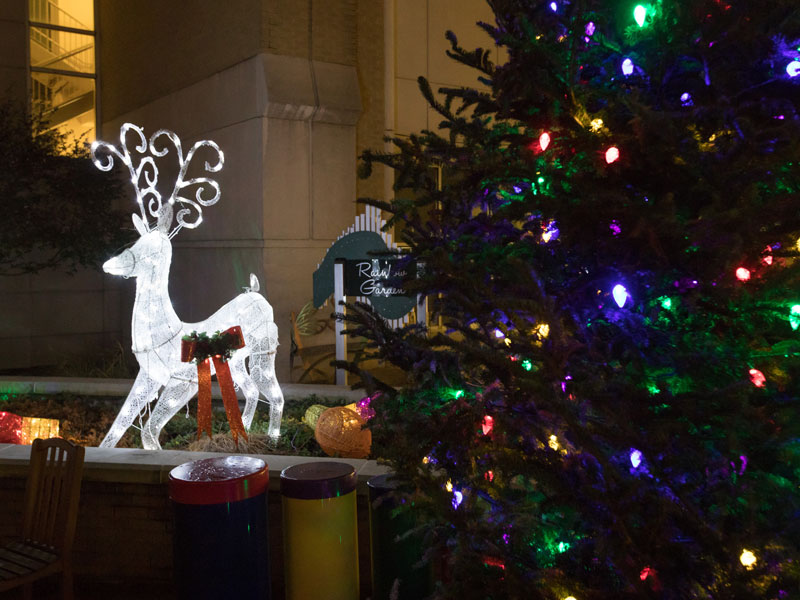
[596,125]
[553,443]
[448,486]
[748,559]
[542,330]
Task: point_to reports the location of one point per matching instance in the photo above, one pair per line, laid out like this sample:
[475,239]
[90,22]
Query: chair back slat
[51,497]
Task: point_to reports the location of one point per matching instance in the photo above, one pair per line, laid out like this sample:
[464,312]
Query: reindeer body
[156,329]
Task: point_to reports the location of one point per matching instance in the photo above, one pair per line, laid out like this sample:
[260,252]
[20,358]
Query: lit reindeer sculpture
[156,329]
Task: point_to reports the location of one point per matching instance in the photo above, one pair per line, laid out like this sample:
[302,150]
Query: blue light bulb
[627,67]
[620,294]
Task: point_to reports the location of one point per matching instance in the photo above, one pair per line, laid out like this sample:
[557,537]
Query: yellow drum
[320,531]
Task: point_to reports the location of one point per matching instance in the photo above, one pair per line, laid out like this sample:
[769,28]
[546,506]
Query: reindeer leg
[143,391]
[262,370]
[248,386]
[180,388]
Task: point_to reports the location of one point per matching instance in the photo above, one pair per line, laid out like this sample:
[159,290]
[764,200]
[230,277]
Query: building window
[62,65]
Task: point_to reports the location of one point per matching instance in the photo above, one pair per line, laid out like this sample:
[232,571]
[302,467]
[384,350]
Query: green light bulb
[666,302]
[639,13]
[794,317]
[527,365]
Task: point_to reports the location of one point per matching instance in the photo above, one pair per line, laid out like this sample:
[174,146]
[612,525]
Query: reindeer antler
[144,176]
[146,169]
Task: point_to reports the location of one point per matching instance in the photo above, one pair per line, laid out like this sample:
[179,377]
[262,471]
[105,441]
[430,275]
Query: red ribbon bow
[188,350]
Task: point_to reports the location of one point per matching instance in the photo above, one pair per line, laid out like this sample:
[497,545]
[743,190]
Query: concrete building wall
[151,48]
[13,53]
[420,49]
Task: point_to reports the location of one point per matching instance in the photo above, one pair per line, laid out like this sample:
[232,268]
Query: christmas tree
[609,409]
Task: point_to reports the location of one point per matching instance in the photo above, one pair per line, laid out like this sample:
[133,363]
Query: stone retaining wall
[123,545]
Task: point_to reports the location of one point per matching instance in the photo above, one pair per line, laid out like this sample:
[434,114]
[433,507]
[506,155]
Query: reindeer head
[154,242]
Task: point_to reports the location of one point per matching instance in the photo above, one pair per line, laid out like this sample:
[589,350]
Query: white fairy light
[156,330]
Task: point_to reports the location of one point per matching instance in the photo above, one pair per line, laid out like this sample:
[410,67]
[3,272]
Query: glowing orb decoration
[748,559]
[794,317]
[742,274]
[340,432]
[544,141]
[636,458]
[156,329]
[793,68]
[758,378]
[620,294]
[639,15]
[312,414]
[627,67]
[612,154]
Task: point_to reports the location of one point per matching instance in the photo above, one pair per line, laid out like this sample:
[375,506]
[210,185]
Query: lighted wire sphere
[340,432]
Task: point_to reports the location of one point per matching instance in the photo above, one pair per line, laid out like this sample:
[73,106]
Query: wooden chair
[48,524]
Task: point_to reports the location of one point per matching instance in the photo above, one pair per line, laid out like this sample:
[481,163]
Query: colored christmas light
[458,498]
[758,378]
[449,485]
[748,559]
[639,15]
[742,274]
[589,29]
[636,458]
[647,572]
[686,99]
[627,67]
[597,124]
[612,154]
[544,141]
[793,68]
[553,442]
[527,364]
[666,302]
[620,294]
[553,6]
[487,425]
[794,317]
[550,232]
